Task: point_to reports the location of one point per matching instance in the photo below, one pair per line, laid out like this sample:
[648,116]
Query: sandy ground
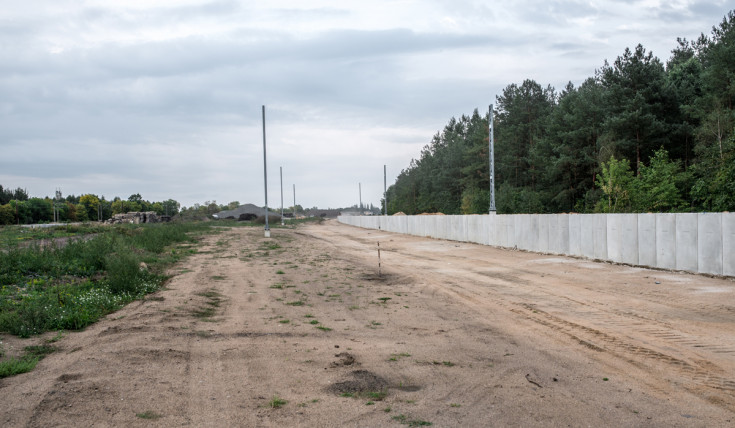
[451,334]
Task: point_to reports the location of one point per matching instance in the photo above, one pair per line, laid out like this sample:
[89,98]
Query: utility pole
[294,200]
[385,191]
[281,196]
[492,161]
[265,180]
[360,192]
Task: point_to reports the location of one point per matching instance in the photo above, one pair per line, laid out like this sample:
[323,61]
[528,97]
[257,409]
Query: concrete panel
[600,235]
[647,240]
[373,222]
[728,244]
[492,221]
[474,229]
[521,225]
[440,227]
[398,223]
[587,228]
[502,230]
[403,223]
[666,241]
[510,230]
[485,221]
[411,225]
[430,226]
[686,241]
[575,234]
[543,233]
[524,231]
[420,222]
[709,243]
[614,244]
[561,238]
[453,227]
[553,234]
[629,238]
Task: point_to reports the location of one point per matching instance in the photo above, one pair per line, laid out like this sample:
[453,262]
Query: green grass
[277,402]
[396,357]
[16,366]
[296,303]
[26,363]
[403,419]
[71,286]
[322,328]
[12,236]
[148,415]
[376,395]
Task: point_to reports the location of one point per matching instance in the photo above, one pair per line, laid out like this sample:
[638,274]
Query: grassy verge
[71,286]
[26,363]
[13,236]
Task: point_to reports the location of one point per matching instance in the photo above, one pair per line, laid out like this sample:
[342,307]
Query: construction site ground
[305,329]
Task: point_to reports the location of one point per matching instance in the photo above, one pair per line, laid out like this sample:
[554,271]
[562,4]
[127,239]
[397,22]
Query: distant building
[247,210]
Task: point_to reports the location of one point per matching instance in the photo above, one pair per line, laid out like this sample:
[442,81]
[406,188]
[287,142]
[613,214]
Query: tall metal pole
[294,200]
[492,162]
[281,196]
[385,191]
[359,187]
[265,180]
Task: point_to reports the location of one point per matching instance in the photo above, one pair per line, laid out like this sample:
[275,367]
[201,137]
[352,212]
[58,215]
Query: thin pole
[492,161]
[385,191]
[265,180]
[360,191]
[281,196]
[294,200]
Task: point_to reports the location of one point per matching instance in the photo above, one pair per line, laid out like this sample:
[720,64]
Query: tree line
[16,207]
[638,136]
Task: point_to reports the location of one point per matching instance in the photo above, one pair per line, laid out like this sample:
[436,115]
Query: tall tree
[522,115]
[637,104]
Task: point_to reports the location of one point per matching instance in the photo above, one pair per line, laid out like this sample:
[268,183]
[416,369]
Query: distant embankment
[695,242]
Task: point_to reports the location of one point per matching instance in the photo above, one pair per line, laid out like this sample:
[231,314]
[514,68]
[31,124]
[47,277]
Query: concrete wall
[695,242]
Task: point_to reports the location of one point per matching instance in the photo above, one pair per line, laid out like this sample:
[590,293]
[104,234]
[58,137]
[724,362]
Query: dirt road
[452,334]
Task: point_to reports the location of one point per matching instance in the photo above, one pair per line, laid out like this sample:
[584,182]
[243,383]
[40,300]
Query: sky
[165,98]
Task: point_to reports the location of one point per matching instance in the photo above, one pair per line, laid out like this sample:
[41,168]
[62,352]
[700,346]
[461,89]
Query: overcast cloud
[164,98]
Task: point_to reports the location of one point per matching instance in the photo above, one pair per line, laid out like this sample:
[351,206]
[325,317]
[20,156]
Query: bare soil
[451,334]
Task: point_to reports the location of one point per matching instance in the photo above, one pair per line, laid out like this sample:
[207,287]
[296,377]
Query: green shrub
[16,366]
[123,272]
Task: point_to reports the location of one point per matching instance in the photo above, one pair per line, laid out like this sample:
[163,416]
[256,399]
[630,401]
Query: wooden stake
[379,271]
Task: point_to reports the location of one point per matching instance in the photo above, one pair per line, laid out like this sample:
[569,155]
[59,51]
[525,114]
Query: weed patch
[148,415]
[277,402]
[26,363]
[71,286]
[403,419]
